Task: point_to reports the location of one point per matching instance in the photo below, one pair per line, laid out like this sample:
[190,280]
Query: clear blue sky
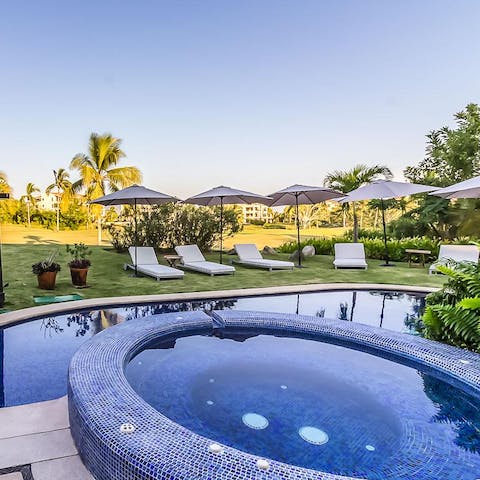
[256,94]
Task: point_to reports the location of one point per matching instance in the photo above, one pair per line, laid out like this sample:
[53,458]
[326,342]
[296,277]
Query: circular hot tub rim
[103,407]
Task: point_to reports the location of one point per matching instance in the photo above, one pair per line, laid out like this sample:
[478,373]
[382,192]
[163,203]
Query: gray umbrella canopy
[226,196]
[467,189]
[383,190]
[135,195]
[302,195]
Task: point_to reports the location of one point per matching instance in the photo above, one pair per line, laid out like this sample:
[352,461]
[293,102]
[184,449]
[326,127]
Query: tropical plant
[99,173]
[453,313]
[47,265]
[29,199]
[62,186]
[79,253]
[348,180]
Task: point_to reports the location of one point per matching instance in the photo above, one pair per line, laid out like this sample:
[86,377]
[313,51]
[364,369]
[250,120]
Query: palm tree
[348,180]
[63,186]
[99,173]
[29,198]
[4,186]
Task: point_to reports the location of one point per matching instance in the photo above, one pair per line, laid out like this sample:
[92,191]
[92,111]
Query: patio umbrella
[226,196]
[383,190]
[467,189]
[302,195]
[135,195]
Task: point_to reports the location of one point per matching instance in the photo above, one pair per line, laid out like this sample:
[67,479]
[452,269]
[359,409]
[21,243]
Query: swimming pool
[34,355]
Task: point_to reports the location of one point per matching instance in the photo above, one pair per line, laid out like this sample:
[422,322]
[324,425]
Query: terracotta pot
[46,280]
[79,276]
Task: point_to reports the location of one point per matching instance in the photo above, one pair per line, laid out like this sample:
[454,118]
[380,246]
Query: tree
[308,214]
[4,186]
[452,155]
[348,180]
[29,198]
[62,185]
[99,173]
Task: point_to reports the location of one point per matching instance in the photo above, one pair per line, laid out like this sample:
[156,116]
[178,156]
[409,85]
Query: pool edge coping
[23,314]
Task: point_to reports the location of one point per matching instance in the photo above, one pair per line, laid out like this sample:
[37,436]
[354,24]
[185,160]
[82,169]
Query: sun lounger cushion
[190,253]
[147,263]
[248,251]
[457,253]
[193,259]
[248,254]
[350,255]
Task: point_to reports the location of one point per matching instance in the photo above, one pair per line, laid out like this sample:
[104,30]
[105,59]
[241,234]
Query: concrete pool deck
[35,443]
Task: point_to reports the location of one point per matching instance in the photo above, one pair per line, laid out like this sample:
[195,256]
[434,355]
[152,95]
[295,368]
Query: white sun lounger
[248,254]
[193,259]
[458,253]
[147,263]
[350,255]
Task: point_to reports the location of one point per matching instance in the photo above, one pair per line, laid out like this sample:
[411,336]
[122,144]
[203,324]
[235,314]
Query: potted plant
[46,272]
[79,264]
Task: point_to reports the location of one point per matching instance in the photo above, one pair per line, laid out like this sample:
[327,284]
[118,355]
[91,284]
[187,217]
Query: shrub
[323,246]
[272,226]
[453,313]
[165,226]
[374,247]
[407,227]
[120,238]
[365,233]
[256,221]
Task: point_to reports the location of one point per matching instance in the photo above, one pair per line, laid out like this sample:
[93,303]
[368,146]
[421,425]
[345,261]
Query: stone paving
[35,443]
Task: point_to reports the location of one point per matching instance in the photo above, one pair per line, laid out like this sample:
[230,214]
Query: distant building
[48,201]
[256,211]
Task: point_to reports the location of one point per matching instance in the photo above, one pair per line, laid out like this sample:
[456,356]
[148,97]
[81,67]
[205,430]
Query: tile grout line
[35,433]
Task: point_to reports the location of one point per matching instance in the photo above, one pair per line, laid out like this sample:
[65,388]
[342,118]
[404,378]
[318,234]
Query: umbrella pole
[298,232]
[387,259]
[221,228]
[136,235]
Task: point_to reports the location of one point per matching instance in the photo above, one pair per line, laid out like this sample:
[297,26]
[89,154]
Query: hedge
[374,247]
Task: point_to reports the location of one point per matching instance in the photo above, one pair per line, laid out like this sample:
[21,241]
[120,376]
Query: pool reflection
[34,356]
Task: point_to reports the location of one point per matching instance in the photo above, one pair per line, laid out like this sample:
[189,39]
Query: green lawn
[107,277]
[21,234]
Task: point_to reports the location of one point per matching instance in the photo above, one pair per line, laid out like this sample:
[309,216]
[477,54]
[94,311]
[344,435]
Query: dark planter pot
[46,280]
[79,276]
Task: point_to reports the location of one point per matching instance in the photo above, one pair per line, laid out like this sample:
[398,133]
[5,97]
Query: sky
[254,94]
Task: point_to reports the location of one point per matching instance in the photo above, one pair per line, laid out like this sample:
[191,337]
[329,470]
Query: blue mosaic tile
[101,400]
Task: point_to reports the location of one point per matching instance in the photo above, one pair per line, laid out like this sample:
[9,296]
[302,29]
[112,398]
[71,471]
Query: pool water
[314,405]
[34,355]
